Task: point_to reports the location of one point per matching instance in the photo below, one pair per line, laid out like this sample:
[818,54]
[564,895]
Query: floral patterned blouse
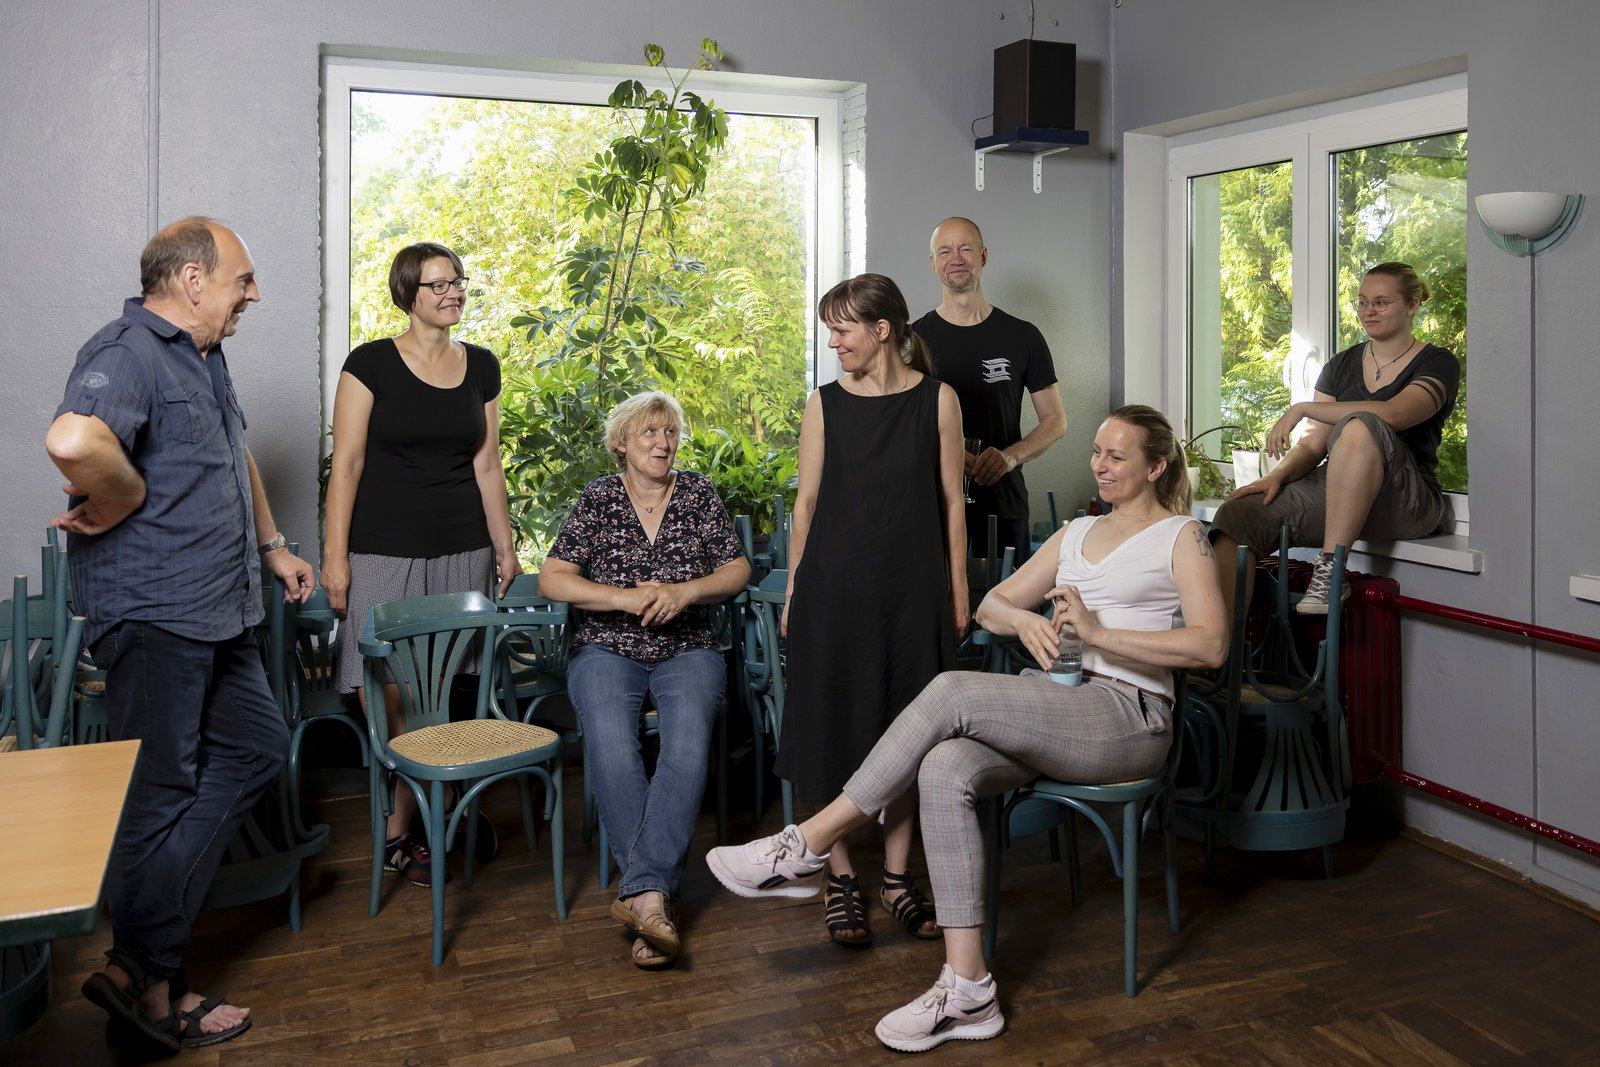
[603,538]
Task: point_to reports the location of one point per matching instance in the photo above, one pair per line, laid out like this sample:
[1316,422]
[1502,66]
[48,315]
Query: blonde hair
[1173,491]
[636,413]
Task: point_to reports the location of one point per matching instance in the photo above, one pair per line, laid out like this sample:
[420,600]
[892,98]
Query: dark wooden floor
[1407,957]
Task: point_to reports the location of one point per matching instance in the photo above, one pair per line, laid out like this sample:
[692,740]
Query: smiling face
[856,343]
[1122,471]
[957,256]
[433,309]
[225,293]
[1385,314]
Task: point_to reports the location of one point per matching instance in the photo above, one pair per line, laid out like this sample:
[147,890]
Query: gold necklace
[1129,530]
[1377,369]
[649,509]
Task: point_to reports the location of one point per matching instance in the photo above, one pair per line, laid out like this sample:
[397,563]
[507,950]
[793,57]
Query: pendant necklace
[649,509]
[1377,370]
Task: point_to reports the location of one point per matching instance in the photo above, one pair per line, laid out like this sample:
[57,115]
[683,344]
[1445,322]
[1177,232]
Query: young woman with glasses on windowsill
[1377,418]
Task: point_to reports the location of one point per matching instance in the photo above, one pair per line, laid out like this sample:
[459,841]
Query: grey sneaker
[943,1013]
[770,867]
[1315,602]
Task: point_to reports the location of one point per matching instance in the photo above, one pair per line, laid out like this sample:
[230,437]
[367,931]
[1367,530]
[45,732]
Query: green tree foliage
[1257,266]
[653,243]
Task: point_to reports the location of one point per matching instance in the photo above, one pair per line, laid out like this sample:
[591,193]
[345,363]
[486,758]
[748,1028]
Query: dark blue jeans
[212,739]
[650,821]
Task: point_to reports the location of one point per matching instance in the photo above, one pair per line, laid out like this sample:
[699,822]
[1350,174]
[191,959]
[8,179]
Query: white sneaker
[770,867]
[1315,601]
[943,1013]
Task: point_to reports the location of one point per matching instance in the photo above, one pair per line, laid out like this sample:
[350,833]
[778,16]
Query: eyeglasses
[444,285]
[1379,305]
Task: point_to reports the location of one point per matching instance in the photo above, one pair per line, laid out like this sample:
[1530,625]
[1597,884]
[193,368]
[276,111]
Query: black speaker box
[1035,85]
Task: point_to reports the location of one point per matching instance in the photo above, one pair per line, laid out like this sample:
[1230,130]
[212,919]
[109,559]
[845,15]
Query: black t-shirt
[989,365]
[1344,378]
[418,496]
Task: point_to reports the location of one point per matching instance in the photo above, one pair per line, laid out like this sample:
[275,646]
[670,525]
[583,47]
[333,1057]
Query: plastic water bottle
[1067,667]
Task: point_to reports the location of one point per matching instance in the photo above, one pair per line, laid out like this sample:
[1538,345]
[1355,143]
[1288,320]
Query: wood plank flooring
[1406,957]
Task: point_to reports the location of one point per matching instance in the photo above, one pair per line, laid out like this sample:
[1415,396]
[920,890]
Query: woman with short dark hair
[416,493]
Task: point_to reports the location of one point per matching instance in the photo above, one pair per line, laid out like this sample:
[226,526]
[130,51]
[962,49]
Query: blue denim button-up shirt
[186,560]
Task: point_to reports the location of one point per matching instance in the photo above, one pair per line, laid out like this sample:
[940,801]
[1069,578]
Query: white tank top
[1132,588]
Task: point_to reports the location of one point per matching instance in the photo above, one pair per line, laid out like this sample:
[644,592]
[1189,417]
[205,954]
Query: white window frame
[1307,138]
[734,93]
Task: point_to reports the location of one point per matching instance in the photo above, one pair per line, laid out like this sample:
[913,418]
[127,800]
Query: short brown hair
[636,413]
[405,273]
[189,240]
[869,298]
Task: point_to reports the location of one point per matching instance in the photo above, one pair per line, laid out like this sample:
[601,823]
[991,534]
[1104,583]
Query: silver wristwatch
[273,545]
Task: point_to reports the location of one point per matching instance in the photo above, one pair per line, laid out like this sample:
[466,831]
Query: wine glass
[973,447]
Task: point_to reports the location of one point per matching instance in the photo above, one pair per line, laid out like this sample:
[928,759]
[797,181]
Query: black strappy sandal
[846,912]
[122,1004]
[913,910]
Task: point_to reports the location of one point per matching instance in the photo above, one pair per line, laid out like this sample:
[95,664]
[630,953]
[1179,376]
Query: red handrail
[1467,800]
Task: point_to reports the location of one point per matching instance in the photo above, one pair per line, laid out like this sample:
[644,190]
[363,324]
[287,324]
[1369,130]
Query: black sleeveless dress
[869,621]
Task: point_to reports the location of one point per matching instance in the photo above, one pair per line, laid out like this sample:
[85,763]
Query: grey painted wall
[126,114]
[1489,715]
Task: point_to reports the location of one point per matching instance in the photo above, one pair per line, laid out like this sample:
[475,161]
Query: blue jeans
[213,740]
[650,821]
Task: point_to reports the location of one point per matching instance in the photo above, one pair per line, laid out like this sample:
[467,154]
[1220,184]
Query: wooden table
[59,810]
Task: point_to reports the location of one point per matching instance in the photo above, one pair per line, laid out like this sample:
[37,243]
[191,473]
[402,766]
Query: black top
[989,365]
[418,496]
[1345,379]
[186,559]
[603,538]
[869,622]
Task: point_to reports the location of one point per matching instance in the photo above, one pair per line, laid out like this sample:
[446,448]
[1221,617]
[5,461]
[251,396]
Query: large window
[492,163]
[1277,224]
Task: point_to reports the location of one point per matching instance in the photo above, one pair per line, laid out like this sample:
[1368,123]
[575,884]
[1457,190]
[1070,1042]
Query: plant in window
[623,282]
[748,475]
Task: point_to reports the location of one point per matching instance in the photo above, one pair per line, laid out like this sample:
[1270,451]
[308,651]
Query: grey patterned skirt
[380,579]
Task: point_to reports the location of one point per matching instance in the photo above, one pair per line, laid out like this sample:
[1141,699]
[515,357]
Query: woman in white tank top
[1140,587]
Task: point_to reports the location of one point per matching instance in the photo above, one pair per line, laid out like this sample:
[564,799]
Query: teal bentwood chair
[534,648]
[764,661]
[423,643]
[1142,802]
[40,657]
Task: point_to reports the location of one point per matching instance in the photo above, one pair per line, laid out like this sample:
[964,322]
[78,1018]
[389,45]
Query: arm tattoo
[1205,543]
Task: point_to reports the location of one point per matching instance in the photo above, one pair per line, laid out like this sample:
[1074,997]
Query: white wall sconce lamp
[1526,224]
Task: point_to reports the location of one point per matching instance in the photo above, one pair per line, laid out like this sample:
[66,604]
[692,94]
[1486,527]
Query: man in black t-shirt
[989,358]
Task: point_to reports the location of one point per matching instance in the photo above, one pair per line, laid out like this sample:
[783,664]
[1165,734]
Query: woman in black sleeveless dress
[872,614]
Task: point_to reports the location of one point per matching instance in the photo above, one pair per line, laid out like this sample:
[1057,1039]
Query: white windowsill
[1585,587]
[1449,551]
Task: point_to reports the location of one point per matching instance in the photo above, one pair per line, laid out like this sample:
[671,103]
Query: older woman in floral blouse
[642,553]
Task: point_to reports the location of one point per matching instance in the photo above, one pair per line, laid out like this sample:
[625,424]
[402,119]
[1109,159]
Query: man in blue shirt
[166,519]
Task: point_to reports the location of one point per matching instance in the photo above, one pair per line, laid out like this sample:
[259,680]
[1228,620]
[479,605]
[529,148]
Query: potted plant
[1206,480]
